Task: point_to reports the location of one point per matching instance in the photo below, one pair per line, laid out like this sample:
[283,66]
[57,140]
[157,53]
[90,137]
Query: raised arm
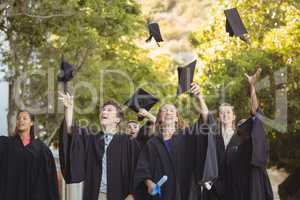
[73,145]
[252,81]
[260,149]
[68,102]
[203,110]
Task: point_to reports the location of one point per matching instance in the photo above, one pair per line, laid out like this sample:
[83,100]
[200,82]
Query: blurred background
[105,41]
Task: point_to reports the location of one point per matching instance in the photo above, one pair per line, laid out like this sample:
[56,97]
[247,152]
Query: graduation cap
[185,77]
[234,24]
[245,128]
[66,73]
[141,99]
[154,31]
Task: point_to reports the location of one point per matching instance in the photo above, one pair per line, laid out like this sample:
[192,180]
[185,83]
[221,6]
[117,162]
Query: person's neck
[110,129]
[25,137]
[226,127]
[167,131]
[134,135]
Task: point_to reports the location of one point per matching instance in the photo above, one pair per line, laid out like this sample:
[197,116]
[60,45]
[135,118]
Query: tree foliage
[273,28]
[94,35]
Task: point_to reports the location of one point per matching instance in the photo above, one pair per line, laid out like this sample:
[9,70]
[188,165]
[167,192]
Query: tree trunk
[11,109]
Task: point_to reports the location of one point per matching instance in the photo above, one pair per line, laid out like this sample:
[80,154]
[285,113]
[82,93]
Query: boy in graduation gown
[104,161]
[27,166]
[243,153]
[171,152]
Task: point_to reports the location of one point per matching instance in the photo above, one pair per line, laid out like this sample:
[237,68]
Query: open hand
[253,79]
[66,99]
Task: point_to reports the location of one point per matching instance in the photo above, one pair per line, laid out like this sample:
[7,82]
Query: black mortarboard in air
[234,24]
[141,99]
[185,77]
[244,129]
[66,73]
[154,31]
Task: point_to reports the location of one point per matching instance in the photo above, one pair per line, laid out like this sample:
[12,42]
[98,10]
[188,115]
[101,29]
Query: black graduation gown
[217,189]
[243,169]
[141,140]
[81,156]
[179,164]
[27,172]
[209,170]
[144,134]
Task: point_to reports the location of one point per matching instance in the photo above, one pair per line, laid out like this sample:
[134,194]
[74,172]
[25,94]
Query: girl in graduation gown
[103,161]
[243,152]
[27,167]
[172,152]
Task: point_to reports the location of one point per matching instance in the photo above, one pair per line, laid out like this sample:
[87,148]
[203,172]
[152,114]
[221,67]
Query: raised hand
[202,109]
[144,113]
[66,99]
[253,79]
[195,89]
[68,102]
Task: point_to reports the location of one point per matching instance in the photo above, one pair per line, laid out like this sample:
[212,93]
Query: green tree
[273,27]
[94,35]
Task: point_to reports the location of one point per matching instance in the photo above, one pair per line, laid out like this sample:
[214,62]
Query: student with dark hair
[132,128]
[104,161]
[27,166]
[243,153]
[145,132]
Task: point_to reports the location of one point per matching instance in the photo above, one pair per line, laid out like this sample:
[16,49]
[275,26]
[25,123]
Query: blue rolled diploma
[158,185]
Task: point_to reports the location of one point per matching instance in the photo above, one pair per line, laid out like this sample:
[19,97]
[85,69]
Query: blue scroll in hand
[158,185]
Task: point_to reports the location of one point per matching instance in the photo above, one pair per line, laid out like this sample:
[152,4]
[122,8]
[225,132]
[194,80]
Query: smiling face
[226,115]
[109,115]
[168,115]
[24,122]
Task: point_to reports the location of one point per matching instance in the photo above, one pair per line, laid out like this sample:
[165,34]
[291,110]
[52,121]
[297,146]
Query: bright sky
[3,105]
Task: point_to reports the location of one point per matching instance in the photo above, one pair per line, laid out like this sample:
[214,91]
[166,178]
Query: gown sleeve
[136,146]
[205,149]
[260,149]
[143,172]
[218,188]
[210,165]
[260,186]
[131,154]
[198,142]
[73,153]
